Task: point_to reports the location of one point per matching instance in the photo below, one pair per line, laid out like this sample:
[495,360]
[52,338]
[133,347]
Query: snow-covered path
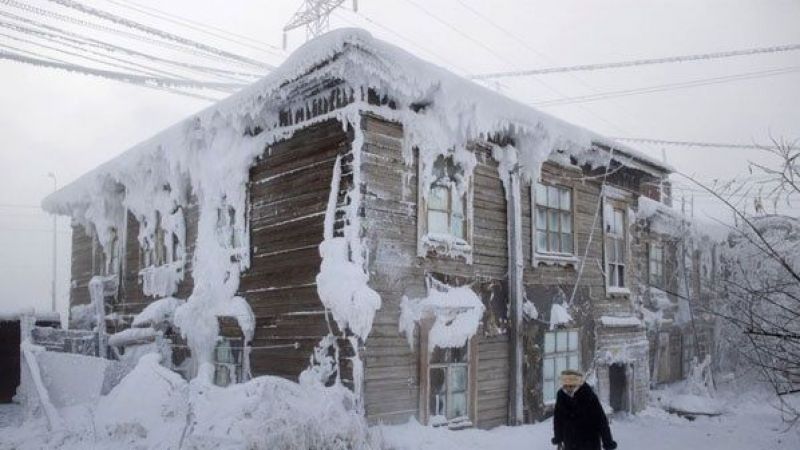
[754,427]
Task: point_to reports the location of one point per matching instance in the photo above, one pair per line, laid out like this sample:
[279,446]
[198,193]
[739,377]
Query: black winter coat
[580,423]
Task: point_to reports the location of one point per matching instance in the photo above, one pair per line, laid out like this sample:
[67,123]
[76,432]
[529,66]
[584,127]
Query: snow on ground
[755,426]
[276,413]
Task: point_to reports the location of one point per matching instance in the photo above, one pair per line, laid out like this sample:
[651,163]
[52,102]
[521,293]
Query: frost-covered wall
[210,157]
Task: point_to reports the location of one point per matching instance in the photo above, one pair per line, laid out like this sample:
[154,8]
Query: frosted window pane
[541,218]
[553,242]
[549,342]
[549,369]
[541,241]
[552,219]
[541,194]
[438,392]
[566,222]
[437,222]
[561,364]
[573,340]
[549,391]
[457,227]
[573,362]
[566,243]
[618,221]
[552,196]
[565,199]
[438,198]
[458,378]
[458,204]
[561,341]
[458,405]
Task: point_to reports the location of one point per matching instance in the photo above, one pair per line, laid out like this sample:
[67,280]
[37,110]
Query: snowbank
[148,408]
[456,314]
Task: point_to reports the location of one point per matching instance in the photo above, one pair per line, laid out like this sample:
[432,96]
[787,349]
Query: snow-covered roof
[356,57]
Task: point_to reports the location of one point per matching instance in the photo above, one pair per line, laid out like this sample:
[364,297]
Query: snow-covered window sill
[617,291]
[555,259]
[445,245]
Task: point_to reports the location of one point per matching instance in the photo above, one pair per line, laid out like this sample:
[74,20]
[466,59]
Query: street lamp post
[55,244]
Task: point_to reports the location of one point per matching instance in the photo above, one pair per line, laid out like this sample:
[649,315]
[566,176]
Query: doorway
[618,387]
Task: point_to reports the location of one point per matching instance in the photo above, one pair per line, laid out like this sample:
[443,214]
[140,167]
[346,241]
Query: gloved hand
[555,441]
[610,446]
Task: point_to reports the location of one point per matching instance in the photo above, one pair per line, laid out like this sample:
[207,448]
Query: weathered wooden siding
[289,187]
[390,203]
[80,266]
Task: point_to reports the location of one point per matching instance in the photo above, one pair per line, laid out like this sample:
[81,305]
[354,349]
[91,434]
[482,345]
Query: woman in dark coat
[579,422]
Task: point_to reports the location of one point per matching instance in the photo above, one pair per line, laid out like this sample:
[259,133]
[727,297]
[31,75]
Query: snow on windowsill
[555,259]
[446,245]
[620,322]
[617,291]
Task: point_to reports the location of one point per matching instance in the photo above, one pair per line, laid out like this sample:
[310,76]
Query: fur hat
[572,377]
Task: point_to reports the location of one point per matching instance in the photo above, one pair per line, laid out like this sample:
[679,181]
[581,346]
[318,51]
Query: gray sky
[69,123]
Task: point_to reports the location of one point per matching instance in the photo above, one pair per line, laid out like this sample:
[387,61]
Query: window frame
[432,244]
[425,364]
[447,367]
[658,262]
[560,211]
[554,355]
[612,275]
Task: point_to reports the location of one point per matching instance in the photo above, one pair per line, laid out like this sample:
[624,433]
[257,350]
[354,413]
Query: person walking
[579,422]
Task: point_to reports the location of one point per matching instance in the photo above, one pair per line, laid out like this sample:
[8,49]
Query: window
[615,248]
[560,353]
[446,202]
[553,219]
[655,256]
[448,375]
[228,361]
[446,211]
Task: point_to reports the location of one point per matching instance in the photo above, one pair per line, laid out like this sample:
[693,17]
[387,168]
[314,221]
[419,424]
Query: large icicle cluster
[456,313]
[207,158]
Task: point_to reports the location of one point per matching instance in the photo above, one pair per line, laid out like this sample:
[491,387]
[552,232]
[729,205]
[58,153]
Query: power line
[668,87]
[162,34]
[139,80]
[641,62]
[198,26]
[496,55]
[693,143]
[55,34]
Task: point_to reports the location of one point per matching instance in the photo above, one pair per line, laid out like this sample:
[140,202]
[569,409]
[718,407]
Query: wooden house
[357,202]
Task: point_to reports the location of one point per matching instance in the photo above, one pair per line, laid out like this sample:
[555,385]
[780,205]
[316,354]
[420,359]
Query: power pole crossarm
[314,15]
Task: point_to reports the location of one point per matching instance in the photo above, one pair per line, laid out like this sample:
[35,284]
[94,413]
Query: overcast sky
[66,123]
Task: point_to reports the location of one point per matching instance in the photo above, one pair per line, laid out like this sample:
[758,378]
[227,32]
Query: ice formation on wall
[456,313]
[559,315]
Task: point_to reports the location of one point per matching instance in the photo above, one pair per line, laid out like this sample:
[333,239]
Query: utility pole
[55,246]
[315,16]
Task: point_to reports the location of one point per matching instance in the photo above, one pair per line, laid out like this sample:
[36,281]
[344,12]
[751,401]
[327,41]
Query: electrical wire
[56,34]
[668,87]
[720,145]
[139,80]
[198,26]
[642,62]
[119,20]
